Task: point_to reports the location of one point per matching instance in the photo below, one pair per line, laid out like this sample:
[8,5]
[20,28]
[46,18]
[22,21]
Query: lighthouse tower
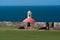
[29,14]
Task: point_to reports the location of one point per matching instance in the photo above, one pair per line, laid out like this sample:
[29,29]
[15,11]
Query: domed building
[29,21]
[29,18]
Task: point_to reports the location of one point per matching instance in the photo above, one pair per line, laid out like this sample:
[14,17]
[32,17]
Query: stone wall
[36,24]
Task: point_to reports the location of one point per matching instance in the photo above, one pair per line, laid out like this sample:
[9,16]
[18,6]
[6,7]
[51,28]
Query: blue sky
[29,2]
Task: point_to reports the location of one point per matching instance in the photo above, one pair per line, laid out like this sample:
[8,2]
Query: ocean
[39,13]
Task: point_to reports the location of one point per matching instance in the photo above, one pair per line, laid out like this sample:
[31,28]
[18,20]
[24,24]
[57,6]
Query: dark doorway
[28,24]
[52,24]
[47,25]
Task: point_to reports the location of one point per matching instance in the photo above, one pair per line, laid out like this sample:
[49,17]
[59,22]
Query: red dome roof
[29,20]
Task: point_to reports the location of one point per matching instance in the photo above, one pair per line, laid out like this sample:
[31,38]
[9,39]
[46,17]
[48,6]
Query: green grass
[9,34]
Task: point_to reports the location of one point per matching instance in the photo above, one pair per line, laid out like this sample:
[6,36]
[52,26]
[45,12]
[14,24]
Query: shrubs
[21,27]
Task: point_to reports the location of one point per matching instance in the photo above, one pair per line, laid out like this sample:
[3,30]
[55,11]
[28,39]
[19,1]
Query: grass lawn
[9,34]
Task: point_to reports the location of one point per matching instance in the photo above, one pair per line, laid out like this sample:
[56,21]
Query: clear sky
[29,2]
